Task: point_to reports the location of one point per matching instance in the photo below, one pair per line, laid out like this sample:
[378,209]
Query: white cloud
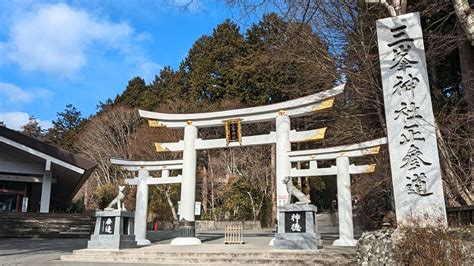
[149,70]
[15,120]
[56,38]
[11,94]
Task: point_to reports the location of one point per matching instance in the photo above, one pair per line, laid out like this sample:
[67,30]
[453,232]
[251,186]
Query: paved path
[36,251]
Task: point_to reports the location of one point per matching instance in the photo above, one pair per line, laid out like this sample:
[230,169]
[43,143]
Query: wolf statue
[292,190]
[118,200]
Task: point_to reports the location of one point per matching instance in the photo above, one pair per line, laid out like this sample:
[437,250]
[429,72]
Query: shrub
[428,246]
[105,194]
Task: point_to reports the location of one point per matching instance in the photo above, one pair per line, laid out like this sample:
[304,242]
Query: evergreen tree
[33,129]
[168,85]
[104,105]
[66,128]
[209,69]
[287,60]
[138,95]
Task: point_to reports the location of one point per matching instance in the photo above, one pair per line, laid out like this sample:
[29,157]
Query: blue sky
[53,53]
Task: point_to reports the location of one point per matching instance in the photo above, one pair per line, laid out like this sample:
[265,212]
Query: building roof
[69,169]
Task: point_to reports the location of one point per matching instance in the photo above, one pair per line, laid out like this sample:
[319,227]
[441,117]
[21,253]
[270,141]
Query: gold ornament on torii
[233,131]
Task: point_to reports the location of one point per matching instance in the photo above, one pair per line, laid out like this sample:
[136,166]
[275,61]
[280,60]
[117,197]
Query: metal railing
[234,234]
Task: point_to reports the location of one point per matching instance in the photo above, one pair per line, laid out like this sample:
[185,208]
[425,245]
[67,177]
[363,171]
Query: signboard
[24,204]
[411,129]
[197,208]
[295,222]
[233,131]
[107,225]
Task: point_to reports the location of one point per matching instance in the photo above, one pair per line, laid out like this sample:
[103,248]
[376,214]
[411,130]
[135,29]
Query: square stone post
[344,204]
[141,209]
[46,188]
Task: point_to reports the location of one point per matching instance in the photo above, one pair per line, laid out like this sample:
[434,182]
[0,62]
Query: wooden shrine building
[37,177]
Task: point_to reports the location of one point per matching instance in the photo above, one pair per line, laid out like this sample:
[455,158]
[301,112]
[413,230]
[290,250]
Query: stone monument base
[143,242]
[185,241]
[113,230]
[297,228]
[345,242]
[186,234]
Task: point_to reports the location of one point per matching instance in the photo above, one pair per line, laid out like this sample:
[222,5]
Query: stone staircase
[45,225]
[214,254]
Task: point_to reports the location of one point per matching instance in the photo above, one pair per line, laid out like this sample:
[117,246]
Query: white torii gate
[280,112]
[142,182]
[343,170]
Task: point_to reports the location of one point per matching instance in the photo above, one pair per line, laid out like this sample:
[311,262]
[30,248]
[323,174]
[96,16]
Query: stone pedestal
[113,230]
[186,234]
[297,228]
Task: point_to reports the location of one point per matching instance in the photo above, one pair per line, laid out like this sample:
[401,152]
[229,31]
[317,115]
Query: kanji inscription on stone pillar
[411,128]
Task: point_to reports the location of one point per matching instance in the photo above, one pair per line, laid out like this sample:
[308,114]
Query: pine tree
[287,61]
[66,128]
[167,85]
[209,69]
[33,129]
[138,95]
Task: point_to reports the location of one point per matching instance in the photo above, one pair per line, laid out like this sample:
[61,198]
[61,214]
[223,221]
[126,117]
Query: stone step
[52,225]
[45,230]
[45,225]
[270,254]
[214,254]
[67,227]
[45,218]
[46,235]
[206,258]
[33,221]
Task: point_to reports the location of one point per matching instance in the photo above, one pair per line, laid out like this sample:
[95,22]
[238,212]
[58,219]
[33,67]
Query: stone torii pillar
[188,188]
[141,208]
[142,182]
[342,170]
[344,203]
[283,164]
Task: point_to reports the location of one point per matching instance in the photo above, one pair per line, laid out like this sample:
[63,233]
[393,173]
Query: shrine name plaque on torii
[232,120]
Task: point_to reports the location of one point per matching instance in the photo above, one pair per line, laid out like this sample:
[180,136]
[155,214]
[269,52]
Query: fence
[460,215]
[234,234]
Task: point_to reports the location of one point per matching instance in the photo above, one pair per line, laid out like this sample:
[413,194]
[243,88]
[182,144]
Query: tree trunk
[170,203]
[204,189]
[465,17]
[254,209]
[466,58]
[212,185]
[307,188]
